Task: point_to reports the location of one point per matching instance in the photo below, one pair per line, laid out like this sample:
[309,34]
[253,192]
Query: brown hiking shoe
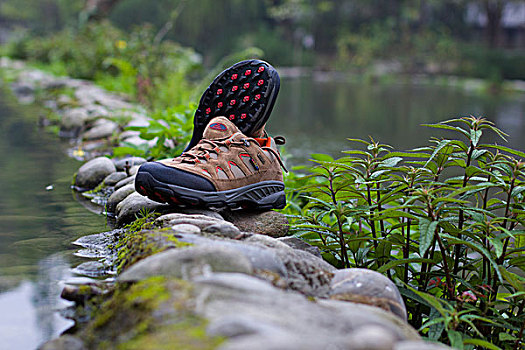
[226,168]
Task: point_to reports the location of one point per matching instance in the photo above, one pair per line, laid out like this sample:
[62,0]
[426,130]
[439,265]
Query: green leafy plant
[445,221]
[170,129]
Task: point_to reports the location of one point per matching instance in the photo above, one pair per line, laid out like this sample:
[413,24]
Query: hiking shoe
[244,93]
[226,168]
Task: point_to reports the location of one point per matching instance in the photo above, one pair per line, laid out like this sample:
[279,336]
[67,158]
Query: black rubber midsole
[264,194]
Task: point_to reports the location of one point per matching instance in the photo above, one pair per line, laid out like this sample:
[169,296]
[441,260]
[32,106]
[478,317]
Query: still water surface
[318,115]
[37,225]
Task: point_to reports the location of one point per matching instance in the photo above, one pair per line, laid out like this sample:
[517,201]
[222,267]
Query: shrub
[445,222]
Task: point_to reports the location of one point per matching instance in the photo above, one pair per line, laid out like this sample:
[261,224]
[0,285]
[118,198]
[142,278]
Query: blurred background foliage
[475,38]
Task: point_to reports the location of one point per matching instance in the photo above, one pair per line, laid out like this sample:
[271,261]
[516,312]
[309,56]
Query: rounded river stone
[367,287]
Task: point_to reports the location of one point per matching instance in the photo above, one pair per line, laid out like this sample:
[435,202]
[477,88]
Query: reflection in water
[29,315]
[37,227]
[317,116]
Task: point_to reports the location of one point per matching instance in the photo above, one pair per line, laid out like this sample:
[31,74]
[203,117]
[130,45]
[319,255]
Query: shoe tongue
[219,128]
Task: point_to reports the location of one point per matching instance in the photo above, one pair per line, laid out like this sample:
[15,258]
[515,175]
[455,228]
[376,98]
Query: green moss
[156,313]
[127,313]
[189,334]
[142,240]
[96,191]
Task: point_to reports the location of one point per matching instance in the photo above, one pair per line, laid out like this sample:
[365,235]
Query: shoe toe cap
[168,175]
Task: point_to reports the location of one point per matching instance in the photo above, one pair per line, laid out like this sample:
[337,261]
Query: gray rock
[252,314]
[97,111]
[118,196]
[129,161]
[223,229]
[136,141]
[74,118]
[263,260]
[64,342]
[92,269]
[102,128]
[93,172]
[133,170]
[199,220]
[371,337]
[80,295]
[205,212]
[23,88]
[298,243]
[188,263]
[305,272]
[281,341]
[269,223]
[130,207]
[186,228]
[136,117]
[112,179]
[367,287]
[270,242]
[209,224]
[54,84]
[64,101]
[187,218]
[127,134]
[128,180]
[239,283]
[235,326]
[419,345]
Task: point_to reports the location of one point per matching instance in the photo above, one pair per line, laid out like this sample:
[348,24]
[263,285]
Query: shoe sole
[264,195]
[245,93]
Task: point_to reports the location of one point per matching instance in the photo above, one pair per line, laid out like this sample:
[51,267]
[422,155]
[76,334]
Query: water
[318,115]
[37,227]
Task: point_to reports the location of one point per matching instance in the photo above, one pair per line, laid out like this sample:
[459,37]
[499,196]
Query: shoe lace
[201,152]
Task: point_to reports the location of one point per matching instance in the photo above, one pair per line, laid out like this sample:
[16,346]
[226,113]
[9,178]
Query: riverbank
[198,279]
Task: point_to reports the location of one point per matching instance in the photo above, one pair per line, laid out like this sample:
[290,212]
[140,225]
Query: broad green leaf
[442,144]
[427,229]
[483,343]
[390,162]
[447,127]
[322,157]
[359,141]
[506,337]
[478,153]
[506,149]
[498,246]
[456,339]
[514,280]
[436,329]
[475,135]
[517,190]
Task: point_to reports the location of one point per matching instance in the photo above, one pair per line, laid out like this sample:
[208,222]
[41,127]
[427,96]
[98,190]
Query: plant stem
[457,249]
[445,266]
[344,253]
[379,208]
[371,221]
[406,252]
